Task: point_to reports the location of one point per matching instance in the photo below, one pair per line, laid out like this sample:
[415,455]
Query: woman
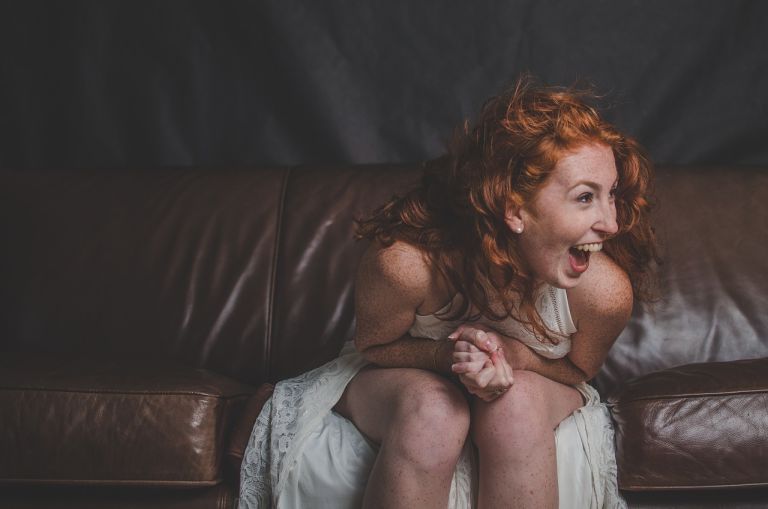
[487,298]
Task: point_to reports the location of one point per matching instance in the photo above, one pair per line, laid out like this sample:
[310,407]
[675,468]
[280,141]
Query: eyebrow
[592,185]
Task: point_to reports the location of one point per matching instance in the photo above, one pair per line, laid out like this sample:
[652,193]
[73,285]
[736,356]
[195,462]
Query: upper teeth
[595,246]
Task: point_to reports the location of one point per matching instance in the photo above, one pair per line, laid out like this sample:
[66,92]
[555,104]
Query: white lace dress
[301,454]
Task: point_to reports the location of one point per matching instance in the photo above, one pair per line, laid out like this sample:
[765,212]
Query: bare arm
[601,305]
[392,283]
[410,352]
[560,370]
[519,356]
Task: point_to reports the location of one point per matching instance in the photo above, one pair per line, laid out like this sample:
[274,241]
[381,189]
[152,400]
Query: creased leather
[695,426]
[209,268]
[93,421]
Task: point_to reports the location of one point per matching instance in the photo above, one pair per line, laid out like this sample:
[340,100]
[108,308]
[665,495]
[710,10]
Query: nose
[606,223]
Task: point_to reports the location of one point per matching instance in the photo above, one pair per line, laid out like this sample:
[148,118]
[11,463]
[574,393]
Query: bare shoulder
[400,265]
[601,305]
[604,291]
[400,271]
[393,283]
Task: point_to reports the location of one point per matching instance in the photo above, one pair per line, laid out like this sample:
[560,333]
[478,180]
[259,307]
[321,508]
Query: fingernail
[490,346]
[453,336]
[481,335]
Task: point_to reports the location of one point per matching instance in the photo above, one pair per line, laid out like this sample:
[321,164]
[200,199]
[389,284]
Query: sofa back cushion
[250,272]
[318,259]
[165,264]
[712,223]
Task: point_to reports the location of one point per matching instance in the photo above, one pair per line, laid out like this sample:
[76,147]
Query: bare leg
[421,421]
[516,442]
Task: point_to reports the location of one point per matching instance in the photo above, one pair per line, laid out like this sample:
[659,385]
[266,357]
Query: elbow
[583,375]
[362,347]
[577,378]
[589,374]
[369,352]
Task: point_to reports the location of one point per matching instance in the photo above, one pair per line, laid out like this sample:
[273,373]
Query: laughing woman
[489,295]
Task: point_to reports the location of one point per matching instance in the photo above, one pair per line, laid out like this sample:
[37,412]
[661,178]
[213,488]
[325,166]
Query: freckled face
[570,216]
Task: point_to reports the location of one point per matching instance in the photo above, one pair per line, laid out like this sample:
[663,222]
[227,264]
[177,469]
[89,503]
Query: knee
[431,423]
[519,419]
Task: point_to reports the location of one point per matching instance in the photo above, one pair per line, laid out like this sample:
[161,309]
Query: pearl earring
[519,229]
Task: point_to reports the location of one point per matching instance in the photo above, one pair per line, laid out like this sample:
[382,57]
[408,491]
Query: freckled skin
[513,433]
[575,206]
[393,284]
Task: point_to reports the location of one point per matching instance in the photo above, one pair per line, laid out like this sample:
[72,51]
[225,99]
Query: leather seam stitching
[689,396]
[273,273]
[129,392]
[686,487]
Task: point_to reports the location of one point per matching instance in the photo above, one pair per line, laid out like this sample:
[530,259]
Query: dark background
[153,83]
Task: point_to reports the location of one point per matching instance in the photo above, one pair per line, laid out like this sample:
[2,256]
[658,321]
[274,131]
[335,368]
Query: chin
[562,277]
[566,281]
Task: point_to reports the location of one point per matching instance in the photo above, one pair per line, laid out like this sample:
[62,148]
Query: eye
[586,197]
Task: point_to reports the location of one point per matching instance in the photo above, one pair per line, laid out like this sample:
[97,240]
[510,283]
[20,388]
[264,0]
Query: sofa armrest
[241,431]
[694,426]
[113,421]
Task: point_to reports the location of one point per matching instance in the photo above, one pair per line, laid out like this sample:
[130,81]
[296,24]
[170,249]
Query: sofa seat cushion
[88,421]
[695,426]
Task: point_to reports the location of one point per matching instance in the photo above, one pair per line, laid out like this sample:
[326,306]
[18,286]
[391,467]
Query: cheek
[568,231]
[542,250]
[556,235]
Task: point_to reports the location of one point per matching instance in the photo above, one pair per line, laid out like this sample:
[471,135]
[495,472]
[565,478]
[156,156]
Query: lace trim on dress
[296,407]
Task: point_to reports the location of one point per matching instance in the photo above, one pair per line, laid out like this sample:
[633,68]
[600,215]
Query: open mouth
[579,255]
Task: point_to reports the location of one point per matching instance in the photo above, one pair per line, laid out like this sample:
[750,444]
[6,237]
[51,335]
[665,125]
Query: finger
[473,348]
[508,372]
[464,333]
[457,333]
[503,368]
[485,376]
[480,339]
[463,346]
[469,356]
[469,380]
[469,384]
[490,341]
[467,367]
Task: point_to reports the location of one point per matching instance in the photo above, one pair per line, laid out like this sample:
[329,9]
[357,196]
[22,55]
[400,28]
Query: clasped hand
[480,363]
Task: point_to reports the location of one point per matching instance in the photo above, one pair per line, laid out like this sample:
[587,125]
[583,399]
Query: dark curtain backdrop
[154,83]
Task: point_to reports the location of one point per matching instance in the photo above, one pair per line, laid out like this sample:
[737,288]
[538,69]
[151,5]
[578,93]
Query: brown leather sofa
[144,313]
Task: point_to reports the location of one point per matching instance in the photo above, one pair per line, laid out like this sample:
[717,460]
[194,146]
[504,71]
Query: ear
[514,218]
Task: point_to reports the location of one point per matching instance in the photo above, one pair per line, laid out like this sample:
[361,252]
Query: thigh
[561,400]
[376,397]
[533,398]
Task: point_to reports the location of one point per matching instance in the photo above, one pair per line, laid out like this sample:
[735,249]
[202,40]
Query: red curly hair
[456,215]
